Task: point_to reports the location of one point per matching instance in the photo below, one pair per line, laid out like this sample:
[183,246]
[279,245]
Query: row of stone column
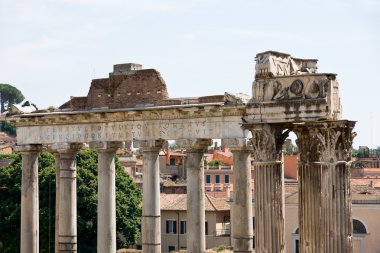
[66,197]
[324,193]
[325,222]
[66,210]
[242,205]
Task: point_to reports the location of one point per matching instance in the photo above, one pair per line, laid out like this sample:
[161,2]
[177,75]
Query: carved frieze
[290,88]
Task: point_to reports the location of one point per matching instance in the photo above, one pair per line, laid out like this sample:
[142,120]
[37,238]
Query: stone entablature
[308,97]
[169,123]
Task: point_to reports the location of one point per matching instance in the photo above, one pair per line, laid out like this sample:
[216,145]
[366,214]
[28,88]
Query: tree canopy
[128,204]
[9,95]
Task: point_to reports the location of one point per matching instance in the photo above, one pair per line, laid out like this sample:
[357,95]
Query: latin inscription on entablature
[128,130]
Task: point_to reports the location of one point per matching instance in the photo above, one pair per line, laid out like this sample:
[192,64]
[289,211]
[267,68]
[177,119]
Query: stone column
[29,242]
[195,149]
[267,143]
[324,187]
[67,224]
[106,242]
[57,159]
[151,218]
[241,209]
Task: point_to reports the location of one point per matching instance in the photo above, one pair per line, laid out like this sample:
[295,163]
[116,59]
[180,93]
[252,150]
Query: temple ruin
[133,105]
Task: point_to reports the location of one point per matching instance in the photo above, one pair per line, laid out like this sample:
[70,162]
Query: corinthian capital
[327,142]
[267,141]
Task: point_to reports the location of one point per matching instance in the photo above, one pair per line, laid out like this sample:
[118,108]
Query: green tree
[9,95]
[128,204]
[7,127]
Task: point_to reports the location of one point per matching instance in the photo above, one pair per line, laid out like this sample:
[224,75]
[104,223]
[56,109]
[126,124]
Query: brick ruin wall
[141,87]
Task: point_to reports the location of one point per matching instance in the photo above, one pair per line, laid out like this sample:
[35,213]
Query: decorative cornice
[128,114]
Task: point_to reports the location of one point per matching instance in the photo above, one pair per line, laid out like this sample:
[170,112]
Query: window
[183,227]
[171,248]
[172,161]
[296,238]
[208,179]
[359,227]
[253,223]
[206,228]
[217,179]
[226,179]
[171,227]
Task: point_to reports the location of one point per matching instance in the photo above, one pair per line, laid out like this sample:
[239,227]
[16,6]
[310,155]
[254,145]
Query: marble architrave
[213,127]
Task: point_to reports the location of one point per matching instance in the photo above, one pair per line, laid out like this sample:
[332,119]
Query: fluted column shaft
[267,143]
[151,215]
[106,236]
[241,208]
[29,238]
[270,206]
[324,194]
[67,224]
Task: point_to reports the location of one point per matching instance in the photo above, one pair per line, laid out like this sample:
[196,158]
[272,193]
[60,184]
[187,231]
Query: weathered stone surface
[295,98]
[29,239]
[127,86]
[324,194]
[272,63]
[196,241]
[267,141]
[138,130]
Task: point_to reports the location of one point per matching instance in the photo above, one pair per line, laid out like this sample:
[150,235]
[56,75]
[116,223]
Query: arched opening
[360,231]
[359,227]
[296,238]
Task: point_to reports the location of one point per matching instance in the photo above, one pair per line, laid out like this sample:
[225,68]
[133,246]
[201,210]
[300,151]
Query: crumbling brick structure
[129,85]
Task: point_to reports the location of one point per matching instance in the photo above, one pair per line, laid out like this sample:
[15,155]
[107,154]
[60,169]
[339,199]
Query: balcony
[223,232]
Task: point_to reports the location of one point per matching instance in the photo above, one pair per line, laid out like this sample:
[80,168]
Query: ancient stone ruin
[133,105]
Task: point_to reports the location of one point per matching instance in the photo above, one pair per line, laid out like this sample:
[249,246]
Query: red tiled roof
[179,202]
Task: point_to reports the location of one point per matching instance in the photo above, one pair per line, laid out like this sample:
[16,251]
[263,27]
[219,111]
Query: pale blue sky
[51,49]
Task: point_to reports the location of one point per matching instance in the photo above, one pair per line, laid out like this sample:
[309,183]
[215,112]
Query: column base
[67,244]
[243,243]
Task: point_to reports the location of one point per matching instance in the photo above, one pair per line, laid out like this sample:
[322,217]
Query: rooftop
[178,202]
